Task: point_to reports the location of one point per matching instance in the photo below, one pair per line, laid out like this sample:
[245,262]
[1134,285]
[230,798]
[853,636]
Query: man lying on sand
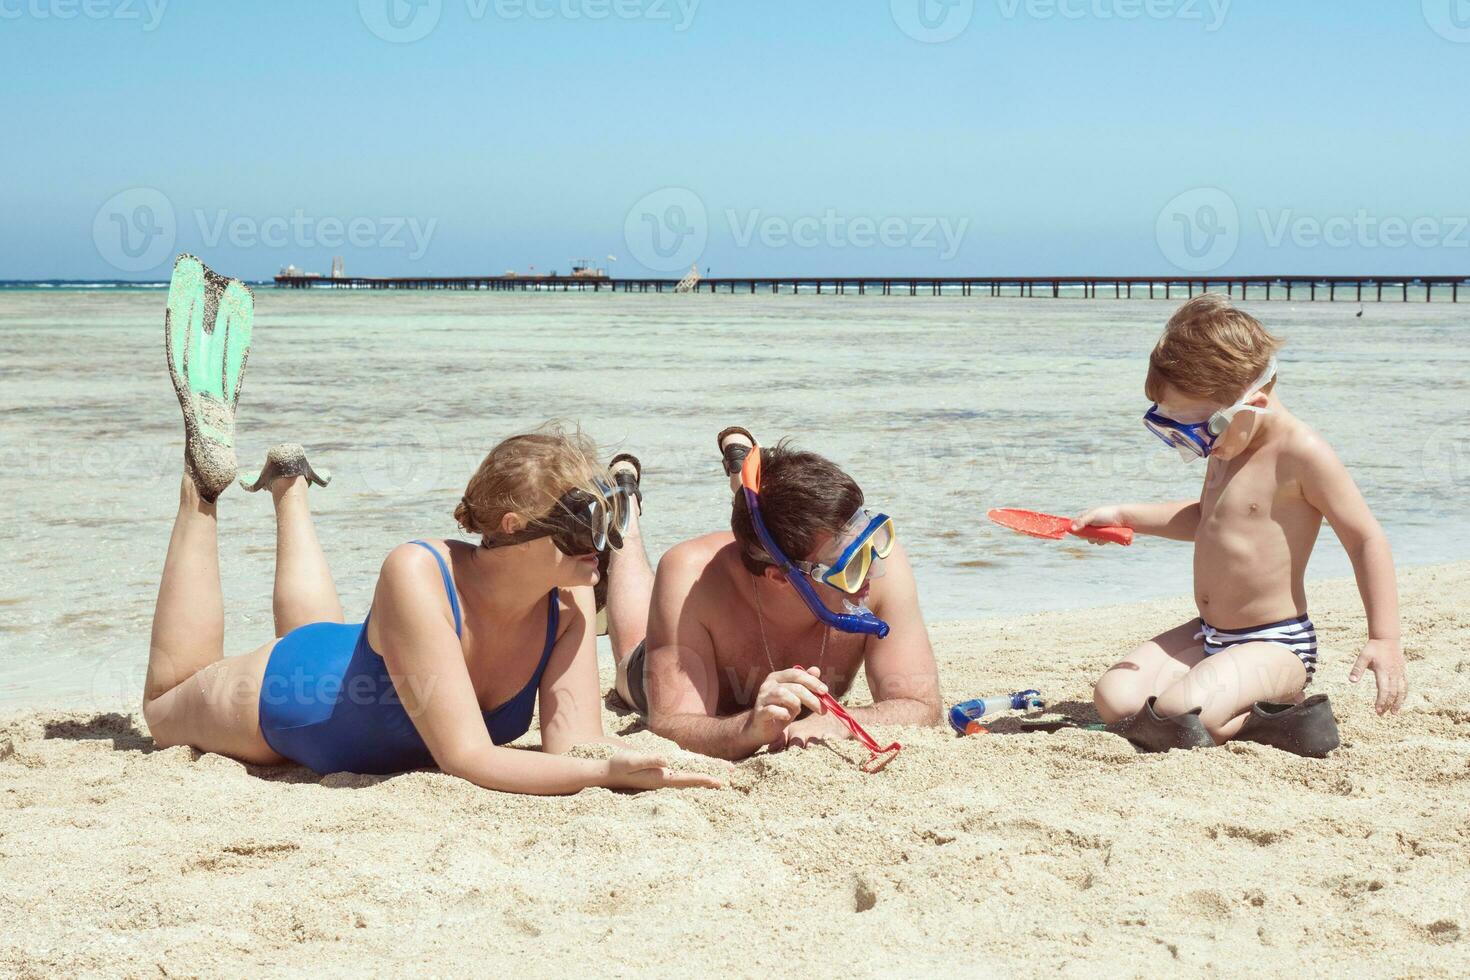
[725,652]
[462,643]
[1269,482]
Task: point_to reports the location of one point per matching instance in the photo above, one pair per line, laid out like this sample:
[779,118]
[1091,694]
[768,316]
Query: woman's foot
[735,444]
[627,475]
[284,462]
[206,332]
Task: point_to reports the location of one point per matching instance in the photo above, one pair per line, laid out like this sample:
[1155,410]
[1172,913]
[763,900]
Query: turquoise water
[940,407]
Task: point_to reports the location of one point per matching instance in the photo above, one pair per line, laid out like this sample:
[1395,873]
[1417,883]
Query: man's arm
[1327,486]
[900,667]
[682,680]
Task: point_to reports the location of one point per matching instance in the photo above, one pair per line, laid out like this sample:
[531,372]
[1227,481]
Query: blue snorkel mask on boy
[873,543]
[1196,440]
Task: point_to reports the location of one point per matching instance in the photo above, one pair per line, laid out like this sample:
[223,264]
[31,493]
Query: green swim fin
[206,332]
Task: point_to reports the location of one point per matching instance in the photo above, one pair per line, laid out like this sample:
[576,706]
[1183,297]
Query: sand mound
[990,854]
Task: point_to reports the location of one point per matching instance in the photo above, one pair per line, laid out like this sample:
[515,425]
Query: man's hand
[811,730]
[780,699]
[1386,659]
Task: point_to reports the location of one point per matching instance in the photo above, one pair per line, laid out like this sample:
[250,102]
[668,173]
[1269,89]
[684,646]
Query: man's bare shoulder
[692,559]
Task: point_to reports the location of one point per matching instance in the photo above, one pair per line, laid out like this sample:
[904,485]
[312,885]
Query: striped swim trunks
[1297,635]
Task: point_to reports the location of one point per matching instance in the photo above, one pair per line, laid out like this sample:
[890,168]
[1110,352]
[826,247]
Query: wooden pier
[1309,288]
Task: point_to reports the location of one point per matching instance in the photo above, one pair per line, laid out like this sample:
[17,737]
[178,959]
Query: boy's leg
[1226,685]
[1155,667]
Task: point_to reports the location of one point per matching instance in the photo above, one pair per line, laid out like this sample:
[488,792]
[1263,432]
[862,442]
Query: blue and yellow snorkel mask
[847,573]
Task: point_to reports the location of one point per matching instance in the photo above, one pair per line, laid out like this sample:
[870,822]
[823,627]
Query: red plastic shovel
[1056,528]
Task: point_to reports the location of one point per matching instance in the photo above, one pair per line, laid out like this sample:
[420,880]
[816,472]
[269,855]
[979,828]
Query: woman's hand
[643,770]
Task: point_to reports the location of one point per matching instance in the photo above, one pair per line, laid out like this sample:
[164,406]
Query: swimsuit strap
[448,582]
[553,617]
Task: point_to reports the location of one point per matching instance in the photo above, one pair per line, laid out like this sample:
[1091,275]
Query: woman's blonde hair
[526,475]
[1210,349]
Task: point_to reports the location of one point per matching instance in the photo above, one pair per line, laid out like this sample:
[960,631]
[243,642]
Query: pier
[1308,288]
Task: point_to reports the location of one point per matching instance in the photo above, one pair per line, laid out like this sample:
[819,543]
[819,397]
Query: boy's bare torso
[1256,532]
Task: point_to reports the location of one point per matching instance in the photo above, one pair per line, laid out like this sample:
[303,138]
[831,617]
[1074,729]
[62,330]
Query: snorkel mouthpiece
[857,619]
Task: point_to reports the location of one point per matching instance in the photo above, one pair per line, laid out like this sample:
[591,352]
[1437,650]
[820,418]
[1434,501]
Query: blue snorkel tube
[862,622]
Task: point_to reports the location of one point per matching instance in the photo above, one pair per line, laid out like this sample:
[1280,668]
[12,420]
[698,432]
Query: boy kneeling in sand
[1269,482]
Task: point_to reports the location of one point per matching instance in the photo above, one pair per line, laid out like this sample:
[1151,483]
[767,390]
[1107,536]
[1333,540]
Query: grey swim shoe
[1308,729]
[1151,733]
[287,459]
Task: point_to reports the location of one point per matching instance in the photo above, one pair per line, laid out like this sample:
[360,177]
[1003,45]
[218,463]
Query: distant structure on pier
[689,283]
[339,271]
[291,272]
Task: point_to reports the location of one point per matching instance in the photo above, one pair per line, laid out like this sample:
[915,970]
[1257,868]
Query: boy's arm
[1177,519]
[1327,486]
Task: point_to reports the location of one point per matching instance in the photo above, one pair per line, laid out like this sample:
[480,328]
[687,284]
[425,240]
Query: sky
[749,137]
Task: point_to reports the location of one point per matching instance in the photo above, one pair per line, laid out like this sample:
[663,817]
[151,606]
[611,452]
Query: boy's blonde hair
[1209,350]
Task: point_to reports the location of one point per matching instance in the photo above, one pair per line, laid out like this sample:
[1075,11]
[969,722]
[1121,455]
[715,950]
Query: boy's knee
[1117,697]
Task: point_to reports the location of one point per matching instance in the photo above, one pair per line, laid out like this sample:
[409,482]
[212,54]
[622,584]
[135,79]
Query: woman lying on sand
[453,627]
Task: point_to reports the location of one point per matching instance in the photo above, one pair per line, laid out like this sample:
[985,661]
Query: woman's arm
[424,657]
[571,690]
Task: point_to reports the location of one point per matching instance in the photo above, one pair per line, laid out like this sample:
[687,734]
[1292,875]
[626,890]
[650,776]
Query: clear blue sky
[1047,137]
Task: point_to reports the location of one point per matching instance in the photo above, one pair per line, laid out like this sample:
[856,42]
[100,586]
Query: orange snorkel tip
[750,470]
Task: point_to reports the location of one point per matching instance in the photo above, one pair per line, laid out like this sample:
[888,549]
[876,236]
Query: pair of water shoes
[206,335]
[1306,729]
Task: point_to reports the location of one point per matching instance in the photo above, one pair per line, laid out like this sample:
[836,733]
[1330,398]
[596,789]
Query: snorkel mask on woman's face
[850,569]
[581,523]
[1196,440]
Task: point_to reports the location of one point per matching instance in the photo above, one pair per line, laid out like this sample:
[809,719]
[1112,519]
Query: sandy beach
[993,854]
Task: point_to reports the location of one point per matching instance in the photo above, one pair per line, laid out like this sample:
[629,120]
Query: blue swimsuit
[327,701]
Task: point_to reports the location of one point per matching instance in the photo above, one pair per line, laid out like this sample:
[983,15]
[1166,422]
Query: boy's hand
[1386,659]
[1098,517]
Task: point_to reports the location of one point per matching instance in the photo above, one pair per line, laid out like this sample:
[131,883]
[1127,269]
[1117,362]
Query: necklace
[760,618]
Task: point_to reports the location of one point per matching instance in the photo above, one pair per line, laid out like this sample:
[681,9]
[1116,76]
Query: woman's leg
[629,592]
[192,695]
[1147,672]
[1228,683]
[304,591]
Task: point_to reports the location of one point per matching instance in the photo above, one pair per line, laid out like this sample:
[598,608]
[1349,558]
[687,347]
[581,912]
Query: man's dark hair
[802,495]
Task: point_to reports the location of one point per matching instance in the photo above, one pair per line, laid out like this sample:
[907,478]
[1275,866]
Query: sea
[941,407]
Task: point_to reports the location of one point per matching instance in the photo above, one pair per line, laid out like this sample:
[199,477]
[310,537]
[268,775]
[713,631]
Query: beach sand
[992,854]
